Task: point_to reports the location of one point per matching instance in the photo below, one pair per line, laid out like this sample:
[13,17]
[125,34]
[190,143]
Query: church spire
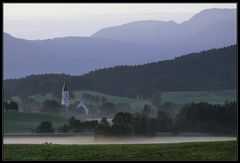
[65,87]
[65,95]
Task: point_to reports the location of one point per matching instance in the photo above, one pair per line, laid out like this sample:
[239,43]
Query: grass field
[214,97]
[226,150]
[17,122]
[116,99]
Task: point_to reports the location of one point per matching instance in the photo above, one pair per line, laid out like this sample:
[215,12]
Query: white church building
[67,101]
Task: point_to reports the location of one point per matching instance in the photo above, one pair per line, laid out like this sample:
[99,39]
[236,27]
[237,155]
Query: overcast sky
[43,21]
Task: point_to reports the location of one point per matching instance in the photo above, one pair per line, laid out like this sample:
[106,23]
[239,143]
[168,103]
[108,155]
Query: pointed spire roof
[65,87]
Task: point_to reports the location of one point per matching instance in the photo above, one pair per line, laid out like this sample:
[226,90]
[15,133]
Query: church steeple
[65,87]
[65,95]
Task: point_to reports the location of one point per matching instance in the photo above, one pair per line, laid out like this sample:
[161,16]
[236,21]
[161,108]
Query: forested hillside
[204,71]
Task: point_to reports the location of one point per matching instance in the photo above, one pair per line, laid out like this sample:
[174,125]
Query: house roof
[65,87]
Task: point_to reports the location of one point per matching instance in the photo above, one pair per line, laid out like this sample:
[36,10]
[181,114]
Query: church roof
[65,87]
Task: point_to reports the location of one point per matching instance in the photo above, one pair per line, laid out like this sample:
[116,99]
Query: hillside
[204,71]
[133,43]
[212,97]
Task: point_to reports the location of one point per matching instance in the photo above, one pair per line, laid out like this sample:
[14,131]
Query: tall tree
[157,98]
[45,127]
[51,106]
[10,106]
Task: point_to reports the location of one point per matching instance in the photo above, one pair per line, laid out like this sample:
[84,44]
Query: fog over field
[89,139]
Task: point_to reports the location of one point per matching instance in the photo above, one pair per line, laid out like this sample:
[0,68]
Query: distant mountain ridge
[130,44]
[158,31]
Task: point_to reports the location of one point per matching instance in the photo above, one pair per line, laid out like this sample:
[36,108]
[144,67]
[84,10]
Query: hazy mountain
[72,55]
[128,44]
[160,31]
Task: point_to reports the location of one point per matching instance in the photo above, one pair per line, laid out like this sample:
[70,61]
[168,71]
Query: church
[67,101]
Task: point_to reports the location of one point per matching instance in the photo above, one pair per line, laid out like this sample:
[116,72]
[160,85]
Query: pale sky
[43,21]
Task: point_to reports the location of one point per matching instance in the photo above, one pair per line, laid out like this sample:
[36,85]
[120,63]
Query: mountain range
[133,43]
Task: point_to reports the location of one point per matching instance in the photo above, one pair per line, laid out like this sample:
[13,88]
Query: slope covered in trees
[203,71]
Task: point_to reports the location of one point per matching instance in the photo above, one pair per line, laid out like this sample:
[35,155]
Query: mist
[89,139]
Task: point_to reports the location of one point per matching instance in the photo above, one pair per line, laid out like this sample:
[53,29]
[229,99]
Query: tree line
[194,117]
[204,117]
[73,126]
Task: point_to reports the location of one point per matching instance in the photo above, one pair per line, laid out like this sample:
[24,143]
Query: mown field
[226,150]
[17,122]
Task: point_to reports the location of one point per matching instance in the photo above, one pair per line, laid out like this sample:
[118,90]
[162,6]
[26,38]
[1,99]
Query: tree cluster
[95,99]
[51,106]
[10,106]
[73,126]
[195,117]
[109,109]
[45,127]
[204,117]
[134,124]
[77,126]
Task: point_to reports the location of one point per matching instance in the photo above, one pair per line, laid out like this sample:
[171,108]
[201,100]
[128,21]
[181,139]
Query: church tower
[65,96]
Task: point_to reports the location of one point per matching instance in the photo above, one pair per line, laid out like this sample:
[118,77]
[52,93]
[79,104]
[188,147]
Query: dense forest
[203,71]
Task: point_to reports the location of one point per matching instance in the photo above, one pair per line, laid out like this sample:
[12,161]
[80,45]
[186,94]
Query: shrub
[45,127]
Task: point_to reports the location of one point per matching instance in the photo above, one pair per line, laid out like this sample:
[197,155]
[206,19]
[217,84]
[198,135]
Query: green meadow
[213,97]
[225,150]
[19,122]
[115,99]
[182,97]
